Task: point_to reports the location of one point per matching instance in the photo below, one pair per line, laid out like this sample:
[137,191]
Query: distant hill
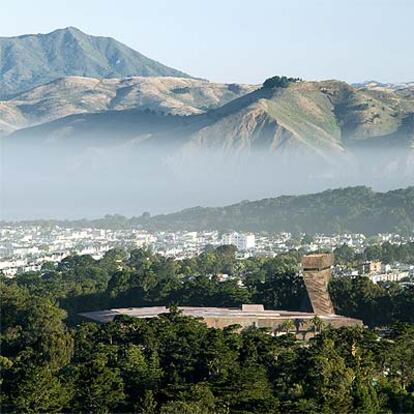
[372,84]
[405,90]
[35,59]
[306,117]
[77,95]
[311,116]
[352,209]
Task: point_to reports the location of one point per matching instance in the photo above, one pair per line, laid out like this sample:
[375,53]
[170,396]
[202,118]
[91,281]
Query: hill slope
[31,60]
[75,95]
[353,209]
[315,117]
[327,115]
[350,209]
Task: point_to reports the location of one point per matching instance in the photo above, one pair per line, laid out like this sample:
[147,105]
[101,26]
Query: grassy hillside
[30,60]
[306,117]
[353,209]
[315,116]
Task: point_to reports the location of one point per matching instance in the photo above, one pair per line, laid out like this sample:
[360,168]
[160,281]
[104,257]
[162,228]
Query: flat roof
[108,315]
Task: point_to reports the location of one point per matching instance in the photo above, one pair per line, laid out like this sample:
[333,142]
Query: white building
[388,277]
[240,240]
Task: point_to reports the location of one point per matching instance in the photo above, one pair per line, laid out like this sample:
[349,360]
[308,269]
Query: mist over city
[93,175]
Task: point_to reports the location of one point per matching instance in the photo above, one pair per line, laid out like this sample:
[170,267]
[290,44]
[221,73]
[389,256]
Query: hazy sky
[242,40]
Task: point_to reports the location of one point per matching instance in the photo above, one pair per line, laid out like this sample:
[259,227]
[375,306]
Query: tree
[99,387]
[35,347]
[32,329]
[251,391]
[288,326]
[317,323]
[141,373]
[279,82]
[327,379]
[182,407]
[38,390]
[344,255]
[147,405]
[119,283]
[283,287]
[400,361]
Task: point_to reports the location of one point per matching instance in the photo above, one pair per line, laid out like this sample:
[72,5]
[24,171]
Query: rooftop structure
[316,271]
[316,275]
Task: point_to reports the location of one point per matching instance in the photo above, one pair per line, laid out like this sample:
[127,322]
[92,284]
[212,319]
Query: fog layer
[75,180]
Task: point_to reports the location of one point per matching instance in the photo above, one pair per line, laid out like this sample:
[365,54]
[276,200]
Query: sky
[242,40]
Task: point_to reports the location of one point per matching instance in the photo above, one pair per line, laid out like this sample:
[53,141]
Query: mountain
[35,59]
[75,95]
[10,118]
[307,117]
[372,84]
[404,89]
[352,209]
[314,116]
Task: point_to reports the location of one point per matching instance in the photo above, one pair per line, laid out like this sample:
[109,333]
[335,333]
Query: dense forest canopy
[53,362]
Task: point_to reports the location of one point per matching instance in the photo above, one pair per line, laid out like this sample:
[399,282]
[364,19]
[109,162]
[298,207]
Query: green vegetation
[352,209]
[182,90]
[386,253]
[175,364]
[279,82]
[80,283]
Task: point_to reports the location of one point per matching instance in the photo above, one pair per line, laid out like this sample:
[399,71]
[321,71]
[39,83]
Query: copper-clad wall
[316,275]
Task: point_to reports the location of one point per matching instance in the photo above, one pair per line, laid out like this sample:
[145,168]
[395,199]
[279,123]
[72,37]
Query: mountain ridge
[75,95]
[317,117]
[30,60]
